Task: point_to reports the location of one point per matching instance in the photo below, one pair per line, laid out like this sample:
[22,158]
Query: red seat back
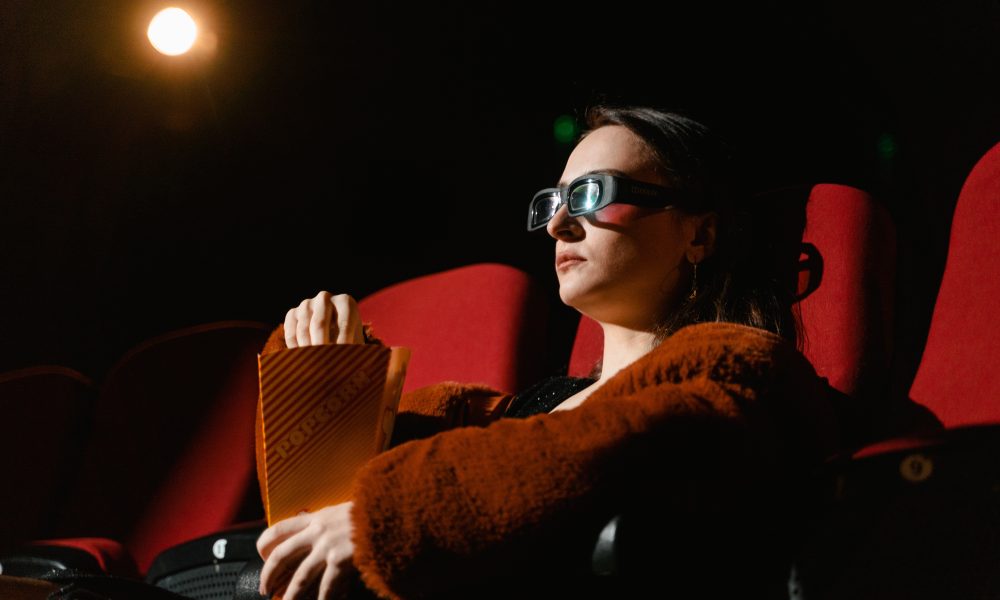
[171,456]
[477,324]
[46,410]
[846,317]
[958,378]
[588,346]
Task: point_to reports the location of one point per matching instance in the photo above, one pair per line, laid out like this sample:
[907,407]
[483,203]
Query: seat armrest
[35,560]
[224,550]
[604,558]
[675,551]
[85,555]
[248,581]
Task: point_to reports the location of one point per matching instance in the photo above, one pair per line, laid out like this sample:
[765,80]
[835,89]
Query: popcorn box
[323,412]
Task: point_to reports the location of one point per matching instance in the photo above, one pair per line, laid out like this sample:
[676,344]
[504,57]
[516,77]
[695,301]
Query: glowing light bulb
[172,31]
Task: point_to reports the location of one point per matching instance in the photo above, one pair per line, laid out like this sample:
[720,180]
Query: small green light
[886,146]
[564,129]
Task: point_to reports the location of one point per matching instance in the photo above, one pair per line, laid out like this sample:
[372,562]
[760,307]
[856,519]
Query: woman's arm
[429,410]
[718,401]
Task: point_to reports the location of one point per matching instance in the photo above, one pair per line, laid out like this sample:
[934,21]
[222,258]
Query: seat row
[163,453]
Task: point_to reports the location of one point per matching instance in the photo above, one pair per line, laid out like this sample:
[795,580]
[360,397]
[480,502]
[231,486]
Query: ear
[702,236]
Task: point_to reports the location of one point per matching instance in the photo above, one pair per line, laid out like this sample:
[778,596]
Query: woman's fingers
[326,588]
[281,565]
[302,317]
[323,319]
[279,532]
[348,320]
[337,578]
[319,321]
[299,549]
[290,340]
[305,575]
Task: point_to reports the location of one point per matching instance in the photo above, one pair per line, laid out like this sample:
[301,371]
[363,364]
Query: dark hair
[749,277]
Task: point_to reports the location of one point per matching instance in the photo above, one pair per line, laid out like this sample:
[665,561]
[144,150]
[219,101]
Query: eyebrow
[616,172]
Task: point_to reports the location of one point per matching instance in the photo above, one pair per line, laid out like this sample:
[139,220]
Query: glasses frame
[613,188]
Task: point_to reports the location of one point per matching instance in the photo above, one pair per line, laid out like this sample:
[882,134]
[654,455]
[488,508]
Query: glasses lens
[584,197]
[544,208]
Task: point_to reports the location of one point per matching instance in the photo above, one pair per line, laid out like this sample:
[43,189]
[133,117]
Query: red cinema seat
[849,253]
[171,455]
[588,346]
[46,414]
[481,323]
[957,377]
[916,517]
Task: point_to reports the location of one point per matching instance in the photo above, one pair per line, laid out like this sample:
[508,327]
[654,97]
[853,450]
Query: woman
[699,378]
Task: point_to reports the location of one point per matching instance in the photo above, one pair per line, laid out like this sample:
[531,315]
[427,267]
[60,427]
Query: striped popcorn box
[323,412]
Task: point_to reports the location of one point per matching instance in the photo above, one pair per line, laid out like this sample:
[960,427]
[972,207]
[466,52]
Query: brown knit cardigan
[463,494]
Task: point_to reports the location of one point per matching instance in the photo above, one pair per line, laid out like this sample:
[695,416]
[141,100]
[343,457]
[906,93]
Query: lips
[568,259]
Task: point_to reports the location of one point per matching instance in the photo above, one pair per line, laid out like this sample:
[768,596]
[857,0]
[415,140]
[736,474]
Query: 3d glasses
[593,192]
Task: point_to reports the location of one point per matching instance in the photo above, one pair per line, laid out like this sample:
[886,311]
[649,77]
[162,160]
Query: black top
[545,395]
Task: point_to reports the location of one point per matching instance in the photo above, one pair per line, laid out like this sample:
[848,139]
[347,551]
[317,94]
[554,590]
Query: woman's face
[623,264]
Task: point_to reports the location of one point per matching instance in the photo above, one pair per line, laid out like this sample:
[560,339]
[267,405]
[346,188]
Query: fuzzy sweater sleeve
[715,400]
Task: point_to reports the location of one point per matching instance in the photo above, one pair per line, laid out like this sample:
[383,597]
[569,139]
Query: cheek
[621,214]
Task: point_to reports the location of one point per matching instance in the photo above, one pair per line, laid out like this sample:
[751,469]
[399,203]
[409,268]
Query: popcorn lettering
[321,414]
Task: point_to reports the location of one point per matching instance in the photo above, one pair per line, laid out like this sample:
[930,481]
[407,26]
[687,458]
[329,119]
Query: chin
[566,295]
[567,299]
[576,293]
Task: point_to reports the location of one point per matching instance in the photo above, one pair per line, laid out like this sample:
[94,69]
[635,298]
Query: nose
[564,227]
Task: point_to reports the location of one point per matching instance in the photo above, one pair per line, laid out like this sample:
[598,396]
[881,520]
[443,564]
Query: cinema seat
[482,323]
[957,378]
[917,516]
[170,456]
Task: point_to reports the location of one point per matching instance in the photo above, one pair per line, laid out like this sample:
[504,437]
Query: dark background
[345,146]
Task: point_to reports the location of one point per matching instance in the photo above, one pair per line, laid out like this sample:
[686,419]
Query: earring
[694,283]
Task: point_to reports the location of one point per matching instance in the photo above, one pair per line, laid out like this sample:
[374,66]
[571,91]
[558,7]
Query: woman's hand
[301,549]
[322,319]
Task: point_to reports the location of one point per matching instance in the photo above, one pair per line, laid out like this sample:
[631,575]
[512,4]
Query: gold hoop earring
[694,283]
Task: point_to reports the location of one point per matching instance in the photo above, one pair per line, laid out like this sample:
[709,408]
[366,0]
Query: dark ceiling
[327,145]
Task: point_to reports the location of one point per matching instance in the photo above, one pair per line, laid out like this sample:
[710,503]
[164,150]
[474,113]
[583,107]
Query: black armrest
[248,580]
[699,552]
[218,561]
[604,558]
[36,560]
